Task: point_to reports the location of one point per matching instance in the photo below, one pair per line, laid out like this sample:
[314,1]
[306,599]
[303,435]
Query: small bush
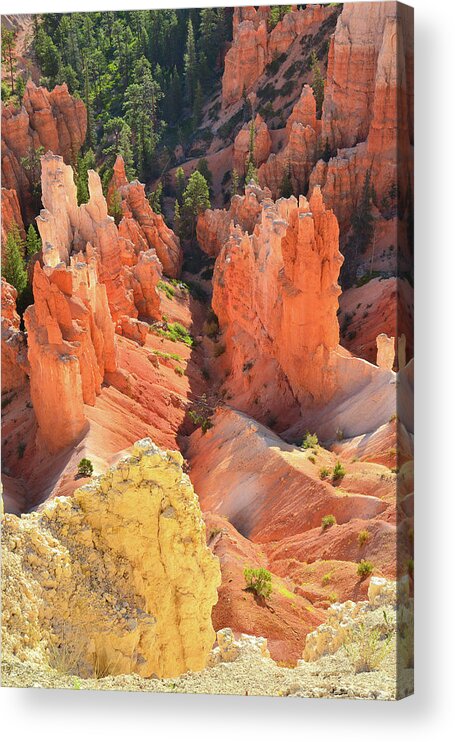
[85,468]
[310,440]
[338,471]
[363,537]
[258,581]
[364,568]
[323,473]
[328,521]
[327,578]
[179,371]
[166,288]
[366,647]
[312,459]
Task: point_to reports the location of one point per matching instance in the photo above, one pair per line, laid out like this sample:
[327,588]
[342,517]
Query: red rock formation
[297,158]
[213,226]
[54,120]
[245,61]
[262,145]
[11,214]
[14,347]
[129,274]
[367,110]
[70,348]
[253,47]
[276,295]
[152,226]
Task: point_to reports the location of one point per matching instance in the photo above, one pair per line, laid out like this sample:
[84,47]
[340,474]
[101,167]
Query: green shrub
[366,647]
[338,471]
[364,568]
[363,537]
[328,521]
[85,468]
[166,288]
[310,440]
[312,459]
[258,581]
[323,473]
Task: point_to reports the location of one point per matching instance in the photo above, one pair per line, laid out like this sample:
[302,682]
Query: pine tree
[141,99]
[197,105]
[195,200]
[362,220]
[190,64]
[115,207]
[203,167]
[13,265]
[32,166]
[177,218]
[90,137]
[125,149]
[84,164]
[33,242]
[235,183]
[20,88]
[318,84]
[154,198]
[180,184]
[8,46]
[251,174]
[277,12]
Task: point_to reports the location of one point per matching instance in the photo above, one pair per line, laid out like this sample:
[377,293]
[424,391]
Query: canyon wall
[116,579]
[254,45]
[276,296]
[15,368]
[54,120]
[11,214]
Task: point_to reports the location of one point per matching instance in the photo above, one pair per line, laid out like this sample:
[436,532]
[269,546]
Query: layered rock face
[14,348]
[262,145]
[70,347]
[11,214]
[214,225]
[54,120]
[368,106]
[276,296]
[298,156]
[116,579]
[253,46]
[126,267]
[150,226]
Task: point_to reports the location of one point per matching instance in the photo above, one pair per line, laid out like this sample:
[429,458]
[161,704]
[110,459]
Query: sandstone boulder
[116,579]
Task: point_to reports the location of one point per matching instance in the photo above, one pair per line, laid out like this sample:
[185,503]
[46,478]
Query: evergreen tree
[84,164]
[235,183]
[154,198]
[180,183]
[90,137]
[251,174]
[8,46]
[190,64]
[140,106]
[177,219]
[277,12]
[115,207]
[203,167]
[20,88]
[212,29]
[197,105]
[32,166]
[125,149]
[13,265]
[33,242]
[195,200]
[362,220]
[173,100]
[318,84]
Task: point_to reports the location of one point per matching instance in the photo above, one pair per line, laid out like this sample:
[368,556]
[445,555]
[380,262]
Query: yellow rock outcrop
[116,579]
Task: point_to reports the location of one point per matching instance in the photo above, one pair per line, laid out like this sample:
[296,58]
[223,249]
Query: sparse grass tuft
[324,473]
[364,568]
[328,521]
[363,537]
